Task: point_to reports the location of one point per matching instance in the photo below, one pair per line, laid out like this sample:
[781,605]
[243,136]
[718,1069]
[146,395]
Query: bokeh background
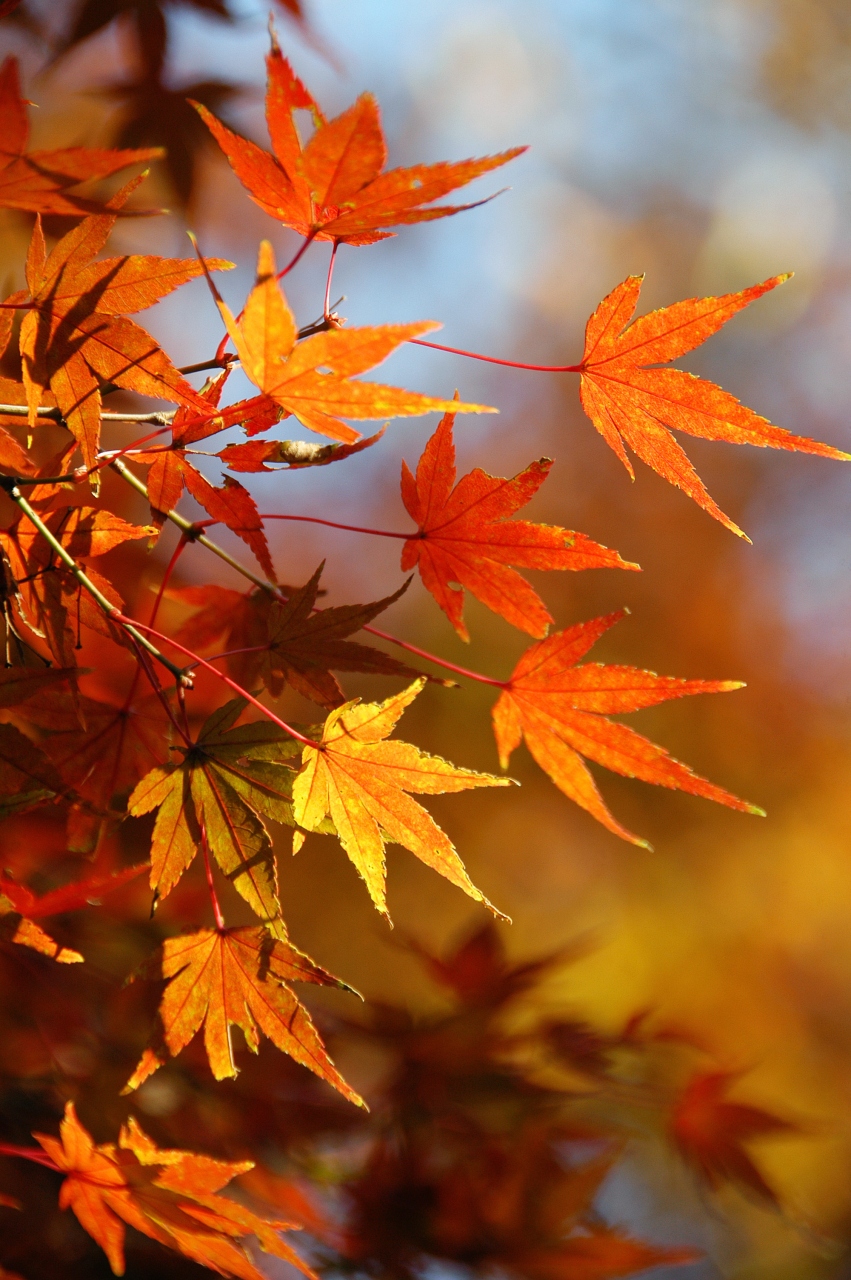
[706,143]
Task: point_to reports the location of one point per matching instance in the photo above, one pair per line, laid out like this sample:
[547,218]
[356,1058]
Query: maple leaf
[466,537]
[50,601]
[38,180]
[599,1254]
[27,777]
[478,972]
[20,908]
[296,643]
[221,978]
[230,778]
[171,471]
[334,188]
[254,455]
[101,748]
[362,781]
[634,405]
[75,335]
[561,708]
[710,1132]
[289,371]
[170,1196]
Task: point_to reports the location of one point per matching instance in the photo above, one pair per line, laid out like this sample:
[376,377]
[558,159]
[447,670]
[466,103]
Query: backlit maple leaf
[466,537]
[334,188]
[290,372]
[170,1196]
[230,778]
[633,403]
[49,600]
[75,335]
[238,977]
[561,710]
[710,1132]
[171,471]
[361,782]
[39,180]
[478,972]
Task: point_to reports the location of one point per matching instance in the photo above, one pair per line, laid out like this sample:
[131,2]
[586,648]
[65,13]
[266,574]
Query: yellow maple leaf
[361,781]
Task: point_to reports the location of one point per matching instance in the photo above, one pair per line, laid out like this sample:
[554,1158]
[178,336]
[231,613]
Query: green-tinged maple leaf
[334,188]
[221,978]
[75,336]
[229,780]
[361,781]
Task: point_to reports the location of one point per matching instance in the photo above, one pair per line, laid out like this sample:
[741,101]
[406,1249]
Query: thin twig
[70,563]
[191,530]
[51,411]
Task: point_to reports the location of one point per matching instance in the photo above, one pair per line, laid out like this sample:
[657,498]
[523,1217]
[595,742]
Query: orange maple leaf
[170,1196]
[171,471]
[561,708]
[710,1132]
[466,536]
[75,335]
[49,600]
[634,405]
[38,180]
[334,188]
[289,372]
[221,978]
[361,781]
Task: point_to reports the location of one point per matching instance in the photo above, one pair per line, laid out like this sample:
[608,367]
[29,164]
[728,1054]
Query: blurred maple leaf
[560,709]
[710,1132]
[38,180]
[466,536]
[20,908]
[361,781]
[636,405]
[334,188]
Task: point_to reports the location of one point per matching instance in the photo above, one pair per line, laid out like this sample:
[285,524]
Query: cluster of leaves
[490,1139]
[216,770]
[489,1149]
[152,112]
